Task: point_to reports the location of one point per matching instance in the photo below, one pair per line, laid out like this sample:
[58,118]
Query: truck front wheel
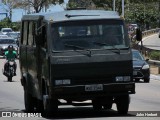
[122,103]
[50,107]
[29,100]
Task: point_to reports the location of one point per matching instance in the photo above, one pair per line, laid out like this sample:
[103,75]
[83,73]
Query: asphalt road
[146,101]
[152,42]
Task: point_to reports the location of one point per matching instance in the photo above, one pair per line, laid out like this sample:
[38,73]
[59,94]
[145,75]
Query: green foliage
[6,23]
[108,4]
[16,26]
[37,5]
[72,5]
[140,1]
[155,55]
[143,12]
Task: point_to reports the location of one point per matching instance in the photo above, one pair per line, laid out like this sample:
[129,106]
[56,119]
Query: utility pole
[123,8]
[114,3]
[29,9]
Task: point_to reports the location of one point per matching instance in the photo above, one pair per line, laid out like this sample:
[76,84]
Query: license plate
[134,72]
[96,87]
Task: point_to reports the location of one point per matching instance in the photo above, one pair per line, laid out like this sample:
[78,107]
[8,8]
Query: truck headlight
[58,82]
[127,78]
[63,82]
[123,78]
[119,78]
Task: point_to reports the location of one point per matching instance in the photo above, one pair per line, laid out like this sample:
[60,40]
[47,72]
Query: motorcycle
[9,73]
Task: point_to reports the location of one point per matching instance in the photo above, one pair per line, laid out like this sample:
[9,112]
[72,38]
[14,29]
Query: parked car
[6,30]
[141,69]
[5,42]
[3,36]
[13,35]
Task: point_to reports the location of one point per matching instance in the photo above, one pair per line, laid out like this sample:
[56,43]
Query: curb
[155,77]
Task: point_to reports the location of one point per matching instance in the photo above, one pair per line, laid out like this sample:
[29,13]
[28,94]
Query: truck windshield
[96,34]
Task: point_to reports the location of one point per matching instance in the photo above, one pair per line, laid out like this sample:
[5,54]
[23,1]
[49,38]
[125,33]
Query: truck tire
[137,80]
[39,106]
[9,79]
[29,101]
[51,108]
[146,80]
[122,103]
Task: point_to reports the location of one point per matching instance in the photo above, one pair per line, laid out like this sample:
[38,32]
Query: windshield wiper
[68,16]
[102,44]
[75,47]
[119,51]
[57,51]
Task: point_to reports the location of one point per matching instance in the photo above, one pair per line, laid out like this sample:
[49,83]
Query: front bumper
[141,74]
[79,91]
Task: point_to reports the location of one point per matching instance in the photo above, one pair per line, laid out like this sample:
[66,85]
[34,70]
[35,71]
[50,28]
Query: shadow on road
[85,112]
[76,113]
[11,81]
[8,109]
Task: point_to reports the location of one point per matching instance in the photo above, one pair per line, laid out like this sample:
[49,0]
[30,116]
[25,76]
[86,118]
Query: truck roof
[69,15]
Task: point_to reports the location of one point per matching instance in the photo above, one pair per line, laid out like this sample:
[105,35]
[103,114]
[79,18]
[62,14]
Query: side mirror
[138,34]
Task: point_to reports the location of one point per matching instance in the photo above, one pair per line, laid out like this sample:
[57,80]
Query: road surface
[153,42]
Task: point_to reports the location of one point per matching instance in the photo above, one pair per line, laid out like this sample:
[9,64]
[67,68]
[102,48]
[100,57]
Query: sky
[18,13]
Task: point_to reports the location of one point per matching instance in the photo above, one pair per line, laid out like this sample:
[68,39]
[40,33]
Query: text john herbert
[147,114]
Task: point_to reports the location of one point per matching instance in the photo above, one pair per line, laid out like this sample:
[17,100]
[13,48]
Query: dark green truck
[75,55]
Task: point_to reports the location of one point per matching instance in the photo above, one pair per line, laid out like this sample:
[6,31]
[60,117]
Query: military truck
[72,56]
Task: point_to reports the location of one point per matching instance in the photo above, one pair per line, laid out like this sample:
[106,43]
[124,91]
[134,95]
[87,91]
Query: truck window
[89,35]
[25,33]
[30,36]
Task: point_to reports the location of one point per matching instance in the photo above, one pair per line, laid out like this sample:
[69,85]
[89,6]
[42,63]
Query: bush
[6,23]
[16,26]
[155,55]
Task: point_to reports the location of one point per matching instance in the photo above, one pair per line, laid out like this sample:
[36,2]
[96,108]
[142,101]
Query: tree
[135,10]
[140,1]
[37,5]
[5,23]
[144,16]
[108,4]
[80,4]
[10,5]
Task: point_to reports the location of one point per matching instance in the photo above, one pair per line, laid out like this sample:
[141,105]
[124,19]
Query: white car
[6,30]
[3,36]
[5,42]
